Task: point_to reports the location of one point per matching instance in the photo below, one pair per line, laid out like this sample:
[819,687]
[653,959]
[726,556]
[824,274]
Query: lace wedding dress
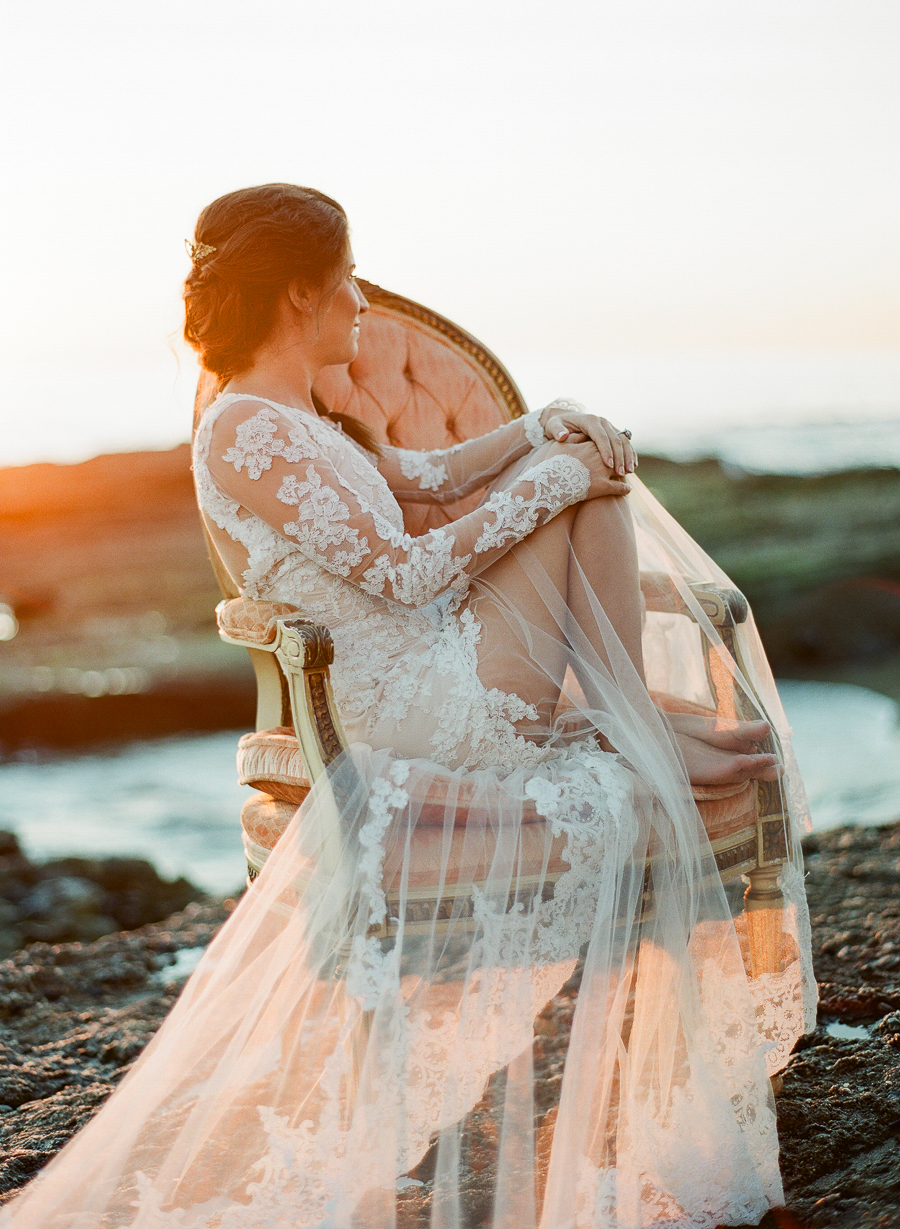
[309,1065]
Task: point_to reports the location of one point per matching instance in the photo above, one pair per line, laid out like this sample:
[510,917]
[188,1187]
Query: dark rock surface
[72,1020]
[73,1017]
[80,899]
[839,1110]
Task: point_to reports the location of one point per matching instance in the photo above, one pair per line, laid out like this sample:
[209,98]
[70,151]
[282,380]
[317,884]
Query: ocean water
[176,801]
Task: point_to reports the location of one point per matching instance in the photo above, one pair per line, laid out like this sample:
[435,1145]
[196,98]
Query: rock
[80,899]
[72,1020]
[106,568]
[846,620]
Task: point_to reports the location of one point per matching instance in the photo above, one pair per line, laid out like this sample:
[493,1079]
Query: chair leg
[764,902]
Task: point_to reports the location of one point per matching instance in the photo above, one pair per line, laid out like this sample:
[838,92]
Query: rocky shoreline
[73,1017]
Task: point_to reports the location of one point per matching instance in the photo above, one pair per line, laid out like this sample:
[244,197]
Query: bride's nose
[361,299]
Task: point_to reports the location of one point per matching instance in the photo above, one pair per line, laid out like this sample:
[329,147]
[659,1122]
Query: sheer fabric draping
[340,1028]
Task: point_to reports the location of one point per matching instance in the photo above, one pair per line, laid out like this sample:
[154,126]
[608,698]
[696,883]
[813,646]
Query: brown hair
[264,238]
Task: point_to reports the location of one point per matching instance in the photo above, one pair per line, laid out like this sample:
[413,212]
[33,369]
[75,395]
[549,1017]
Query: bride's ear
[300,298]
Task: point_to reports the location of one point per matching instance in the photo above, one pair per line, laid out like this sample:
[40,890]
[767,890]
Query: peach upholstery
[270,760]
[727,810]
[264,819]
[415,388]
[245,619]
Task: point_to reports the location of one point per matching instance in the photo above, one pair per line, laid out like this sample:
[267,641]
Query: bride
[492,677]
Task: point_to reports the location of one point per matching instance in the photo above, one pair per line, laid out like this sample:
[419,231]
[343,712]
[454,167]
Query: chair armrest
[723,607]
[305,651]
[251,623]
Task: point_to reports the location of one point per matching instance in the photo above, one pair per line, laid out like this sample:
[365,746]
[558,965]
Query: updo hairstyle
[264,238]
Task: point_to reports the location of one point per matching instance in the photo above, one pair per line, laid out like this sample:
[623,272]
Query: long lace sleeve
[276,470]
[444,475]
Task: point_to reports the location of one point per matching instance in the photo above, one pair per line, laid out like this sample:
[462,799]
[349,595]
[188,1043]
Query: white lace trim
[565,403]
[534,432]
[559,481]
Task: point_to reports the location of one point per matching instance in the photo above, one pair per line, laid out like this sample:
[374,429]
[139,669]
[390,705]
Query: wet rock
[73,1018]
[80,899]
[839,1108]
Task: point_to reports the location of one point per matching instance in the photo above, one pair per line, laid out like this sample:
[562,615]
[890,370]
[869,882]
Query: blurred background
[683,215]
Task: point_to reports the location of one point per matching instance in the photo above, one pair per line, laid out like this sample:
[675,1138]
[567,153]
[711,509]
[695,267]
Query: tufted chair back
[418,381]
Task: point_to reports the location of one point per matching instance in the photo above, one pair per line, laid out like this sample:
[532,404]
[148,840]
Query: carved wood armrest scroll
[305,652]
[723,607]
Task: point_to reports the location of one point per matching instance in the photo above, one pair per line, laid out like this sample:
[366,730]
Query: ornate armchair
[421,382]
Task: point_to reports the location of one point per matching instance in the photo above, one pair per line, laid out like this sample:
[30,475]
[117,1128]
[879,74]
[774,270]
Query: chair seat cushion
[270,761]
[728,814]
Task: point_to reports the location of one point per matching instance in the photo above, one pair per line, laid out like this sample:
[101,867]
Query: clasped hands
[567,422]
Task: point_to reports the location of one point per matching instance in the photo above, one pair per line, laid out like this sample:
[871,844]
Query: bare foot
[709,765]
[743,736]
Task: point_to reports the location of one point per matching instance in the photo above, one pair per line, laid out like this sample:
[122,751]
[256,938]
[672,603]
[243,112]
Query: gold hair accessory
[198,252]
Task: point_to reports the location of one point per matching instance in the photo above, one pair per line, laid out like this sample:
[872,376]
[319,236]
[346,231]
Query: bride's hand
[603,480]
[568,422]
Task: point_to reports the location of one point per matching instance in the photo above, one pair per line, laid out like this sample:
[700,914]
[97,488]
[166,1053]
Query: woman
[491,678]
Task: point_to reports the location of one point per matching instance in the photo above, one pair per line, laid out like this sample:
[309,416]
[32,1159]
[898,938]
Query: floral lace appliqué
[558,482]
[421,467]
[258,442]
[429,569]
[320,526]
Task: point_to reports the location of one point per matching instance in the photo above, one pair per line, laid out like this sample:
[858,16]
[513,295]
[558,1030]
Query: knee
[610,509]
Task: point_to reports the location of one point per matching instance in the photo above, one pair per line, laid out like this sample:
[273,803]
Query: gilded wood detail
[320,706]
[726,859]
[315,649]
[774,840]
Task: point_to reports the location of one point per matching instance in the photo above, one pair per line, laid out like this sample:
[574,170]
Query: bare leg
[585,552]
[504,598]
[604,556]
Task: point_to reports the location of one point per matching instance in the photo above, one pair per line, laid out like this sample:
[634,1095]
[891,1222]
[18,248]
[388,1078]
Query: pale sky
[576,183]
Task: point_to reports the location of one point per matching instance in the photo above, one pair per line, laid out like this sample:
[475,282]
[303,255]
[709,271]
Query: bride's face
[337,318]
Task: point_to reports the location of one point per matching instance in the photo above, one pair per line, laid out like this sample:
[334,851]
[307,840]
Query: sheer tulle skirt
[388,965]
